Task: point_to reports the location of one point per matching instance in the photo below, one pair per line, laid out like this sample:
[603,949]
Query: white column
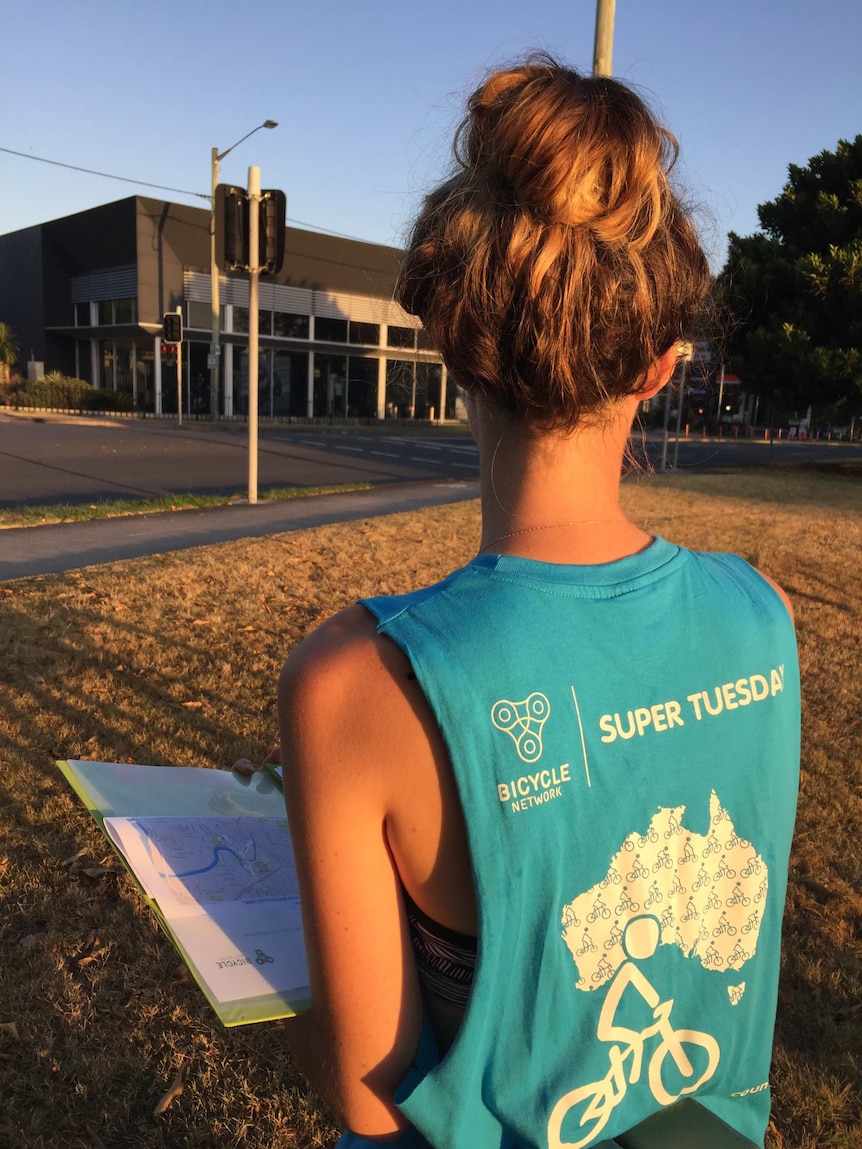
[381,388]
[228,380]
[157,373]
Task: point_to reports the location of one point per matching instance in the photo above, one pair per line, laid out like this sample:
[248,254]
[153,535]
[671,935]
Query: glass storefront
[145,365]
[282,383]
[343,386]
[289,390]
[84,360]
[361,399]
[426,405]
[400,383]
[413,390]
[330,378]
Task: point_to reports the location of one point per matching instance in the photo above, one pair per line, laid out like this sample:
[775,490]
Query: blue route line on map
[216,851]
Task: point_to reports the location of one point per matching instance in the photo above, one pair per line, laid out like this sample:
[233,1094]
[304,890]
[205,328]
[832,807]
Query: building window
[288,326]
[289,393]
[240,320]
[400,388]
[106,365]
[401,336]
[330,378]
[264,322]
[368,333]
[82,315]
[361,399]
[114,311]
[83,360]
[330,330]
[424,341]
[426,405]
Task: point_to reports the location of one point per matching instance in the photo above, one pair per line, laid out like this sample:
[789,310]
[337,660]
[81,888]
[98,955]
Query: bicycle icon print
[587,1109]
[703,895]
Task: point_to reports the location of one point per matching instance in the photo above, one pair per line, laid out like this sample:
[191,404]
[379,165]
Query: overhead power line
[164,187]
[104,175]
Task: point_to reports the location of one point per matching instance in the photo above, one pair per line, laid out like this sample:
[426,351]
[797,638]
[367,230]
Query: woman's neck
[552,496]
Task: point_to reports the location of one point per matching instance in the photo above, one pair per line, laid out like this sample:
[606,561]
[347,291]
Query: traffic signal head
[233,232]
[172,325]
[273,219]
[231,228]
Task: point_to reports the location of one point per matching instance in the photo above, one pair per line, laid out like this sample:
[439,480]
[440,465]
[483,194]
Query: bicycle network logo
[705,894]
[523,722]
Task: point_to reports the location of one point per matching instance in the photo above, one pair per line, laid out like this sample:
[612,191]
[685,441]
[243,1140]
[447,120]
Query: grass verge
[114,508]
[174,658]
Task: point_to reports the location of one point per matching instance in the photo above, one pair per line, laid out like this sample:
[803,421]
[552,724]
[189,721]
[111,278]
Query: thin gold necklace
[551,527]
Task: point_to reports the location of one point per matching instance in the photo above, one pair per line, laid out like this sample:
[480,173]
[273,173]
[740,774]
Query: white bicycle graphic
[591,1106]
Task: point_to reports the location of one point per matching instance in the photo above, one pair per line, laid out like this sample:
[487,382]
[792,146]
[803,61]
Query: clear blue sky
[367,92]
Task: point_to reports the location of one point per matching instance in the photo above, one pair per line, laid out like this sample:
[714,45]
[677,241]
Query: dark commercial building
[85,296]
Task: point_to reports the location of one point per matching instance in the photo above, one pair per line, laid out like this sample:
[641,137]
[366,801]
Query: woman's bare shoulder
[348,686]
[345,649]
[780,591]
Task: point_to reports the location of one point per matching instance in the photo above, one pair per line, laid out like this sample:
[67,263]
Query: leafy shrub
[59,391]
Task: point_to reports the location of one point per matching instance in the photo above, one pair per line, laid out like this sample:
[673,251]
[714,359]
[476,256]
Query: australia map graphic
[707,892]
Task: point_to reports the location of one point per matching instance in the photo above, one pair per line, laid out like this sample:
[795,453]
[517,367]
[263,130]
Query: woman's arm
[346,722]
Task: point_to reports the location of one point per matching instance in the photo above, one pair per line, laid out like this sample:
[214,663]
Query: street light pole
[215,347]
[604,42]
[253,325]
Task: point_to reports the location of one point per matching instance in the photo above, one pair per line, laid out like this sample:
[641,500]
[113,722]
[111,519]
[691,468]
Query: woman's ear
[659,373]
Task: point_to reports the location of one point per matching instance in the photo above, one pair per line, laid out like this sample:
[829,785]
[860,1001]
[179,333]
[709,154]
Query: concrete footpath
[58,547]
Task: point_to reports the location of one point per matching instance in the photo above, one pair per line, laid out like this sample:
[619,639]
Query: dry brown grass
[174,659]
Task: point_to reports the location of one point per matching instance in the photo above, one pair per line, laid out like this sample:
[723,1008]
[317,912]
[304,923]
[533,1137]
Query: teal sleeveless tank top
[625,741]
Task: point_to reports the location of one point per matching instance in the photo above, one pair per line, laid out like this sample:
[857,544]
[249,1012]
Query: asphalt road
[43,463]
[48,462]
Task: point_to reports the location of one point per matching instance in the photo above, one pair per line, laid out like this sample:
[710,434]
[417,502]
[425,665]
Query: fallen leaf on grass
[173,1092]
[181,976]
[200,622]
[11,1028]
[98,871]
[74,857]
[192,705]
[92,948]
[4,865]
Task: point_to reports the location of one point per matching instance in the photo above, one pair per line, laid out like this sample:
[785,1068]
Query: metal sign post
[253,325]
[686,350]
[179,384]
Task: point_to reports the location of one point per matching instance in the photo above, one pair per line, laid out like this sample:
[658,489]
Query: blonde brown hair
[556,264]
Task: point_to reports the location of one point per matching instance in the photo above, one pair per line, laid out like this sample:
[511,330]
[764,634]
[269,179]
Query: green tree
[794,290]
[8,349]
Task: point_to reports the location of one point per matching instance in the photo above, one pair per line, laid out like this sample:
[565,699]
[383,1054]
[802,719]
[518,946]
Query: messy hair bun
[556,264]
